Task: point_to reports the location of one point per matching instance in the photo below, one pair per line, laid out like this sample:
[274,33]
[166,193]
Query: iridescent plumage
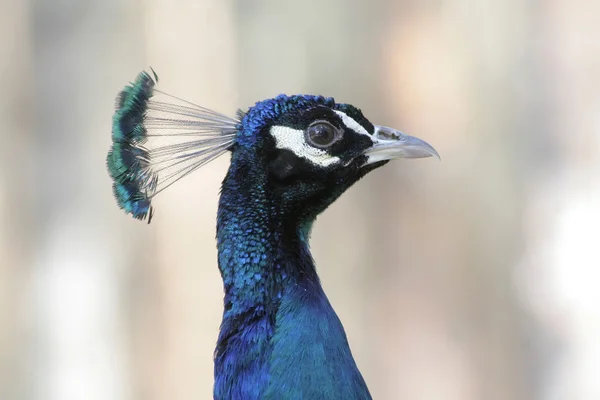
[291,157]
[157,140]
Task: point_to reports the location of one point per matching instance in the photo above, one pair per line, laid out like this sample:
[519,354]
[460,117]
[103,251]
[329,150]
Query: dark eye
[322,134]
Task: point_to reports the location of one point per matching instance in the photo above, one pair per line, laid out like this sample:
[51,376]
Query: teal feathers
[291,157]
[158,139]
[127,160]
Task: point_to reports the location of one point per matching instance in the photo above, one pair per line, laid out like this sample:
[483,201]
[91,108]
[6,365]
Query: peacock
[291,157]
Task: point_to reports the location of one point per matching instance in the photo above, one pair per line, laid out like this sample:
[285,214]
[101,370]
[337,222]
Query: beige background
[472,278]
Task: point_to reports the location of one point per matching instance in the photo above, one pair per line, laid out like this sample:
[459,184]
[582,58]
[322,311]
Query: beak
[389,144]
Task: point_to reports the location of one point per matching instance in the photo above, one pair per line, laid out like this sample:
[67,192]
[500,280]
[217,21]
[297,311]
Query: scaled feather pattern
[291,157]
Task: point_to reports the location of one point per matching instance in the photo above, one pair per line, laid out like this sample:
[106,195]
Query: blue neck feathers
[280,337]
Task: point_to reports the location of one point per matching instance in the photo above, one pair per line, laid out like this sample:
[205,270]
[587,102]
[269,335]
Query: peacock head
[306,149]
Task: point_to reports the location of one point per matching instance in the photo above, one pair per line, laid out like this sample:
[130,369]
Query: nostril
[388,134]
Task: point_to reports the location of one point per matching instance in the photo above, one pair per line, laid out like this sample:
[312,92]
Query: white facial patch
[352,124]
[293,140]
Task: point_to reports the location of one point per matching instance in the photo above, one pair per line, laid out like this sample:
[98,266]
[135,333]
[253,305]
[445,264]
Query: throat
[260,250]
[274,306]
[260,255]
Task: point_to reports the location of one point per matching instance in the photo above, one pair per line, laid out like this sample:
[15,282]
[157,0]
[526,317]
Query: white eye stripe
[352,124]
[293,140]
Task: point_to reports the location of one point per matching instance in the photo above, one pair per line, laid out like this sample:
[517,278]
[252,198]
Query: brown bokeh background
[472,278]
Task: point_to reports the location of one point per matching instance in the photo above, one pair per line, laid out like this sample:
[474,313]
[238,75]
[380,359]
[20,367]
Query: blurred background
[471,278]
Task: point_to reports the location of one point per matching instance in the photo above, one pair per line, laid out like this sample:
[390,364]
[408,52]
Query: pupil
[321,134]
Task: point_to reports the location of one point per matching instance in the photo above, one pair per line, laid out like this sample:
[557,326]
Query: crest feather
[157,140]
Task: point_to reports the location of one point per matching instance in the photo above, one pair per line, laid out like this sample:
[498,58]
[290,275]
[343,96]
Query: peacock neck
[274,303]
[260,250]
[257,253]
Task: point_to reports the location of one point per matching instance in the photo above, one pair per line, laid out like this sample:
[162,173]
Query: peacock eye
[322,134]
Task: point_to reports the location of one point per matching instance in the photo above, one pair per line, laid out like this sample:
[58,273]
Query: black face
[312,156]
